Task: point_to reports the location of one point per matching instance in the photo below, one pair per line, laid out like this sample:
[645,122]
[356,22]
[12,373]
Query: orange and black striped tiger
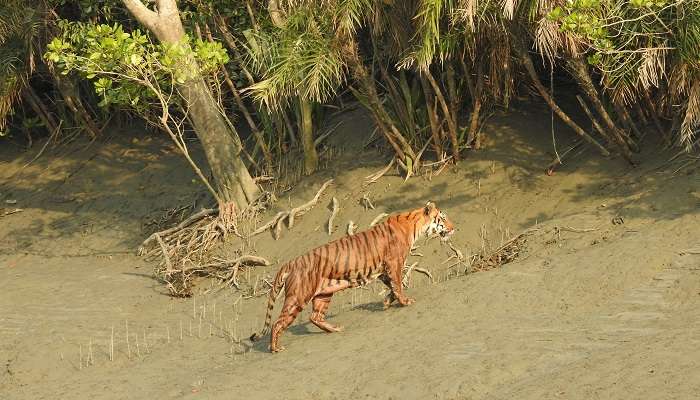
[351,261]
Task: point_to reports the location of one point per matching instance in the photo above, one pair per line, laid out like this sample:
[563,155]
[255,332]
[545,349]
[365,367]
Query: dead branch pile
[506,253]
[183,251]
[180,280]
[276,223]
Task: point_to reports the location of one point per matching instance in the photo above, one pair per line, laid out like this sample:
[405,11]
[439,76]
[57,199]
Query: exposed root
[184,251]
[205,213]
[302,209]
[334,212]
[276,222]
[378,218]
[179,281]
[271,223]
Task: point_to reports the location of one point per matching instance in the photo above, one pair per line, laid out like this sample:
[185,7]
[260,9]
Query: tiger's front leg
[390,298]
[393,272]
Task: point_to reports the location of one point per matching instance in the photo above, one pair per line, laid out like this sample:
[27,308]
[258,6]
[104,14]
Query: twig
[366,202]
[334,212]
[164,250]
[425,272]
[458,253]
[440,162]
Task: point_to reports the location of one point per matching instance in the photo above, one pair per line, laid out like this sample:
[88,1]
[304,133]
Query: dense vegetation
[428,72]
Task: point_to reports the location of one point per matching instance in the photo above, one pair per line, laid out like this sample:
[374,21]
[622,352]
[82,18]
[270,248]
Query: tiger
[348,262]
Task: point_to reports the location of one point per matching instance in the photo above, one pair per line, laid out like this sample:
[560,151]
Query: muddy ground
[602,302]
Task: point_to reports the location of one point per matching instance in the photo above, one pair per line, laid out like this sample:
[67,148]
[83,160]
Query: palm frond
[691,120]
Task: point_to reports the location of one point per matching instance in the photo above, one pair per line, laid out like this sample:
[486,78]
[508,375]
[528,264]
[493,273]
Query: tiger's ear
[429,207]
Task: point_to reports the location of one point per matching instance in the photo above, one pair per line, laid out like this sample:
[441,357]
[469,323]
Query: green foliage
[127,68]
[304,59]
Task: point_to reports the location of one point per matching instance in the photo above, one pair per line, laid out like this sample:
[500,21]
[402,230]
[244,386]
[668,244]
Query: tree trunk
[454,99]
[452,128]
[530,69]
[39,109]
[473,138]
[580,72]
[385,123]
[259,138]
[432,117]
[307,137]
[221,143]
[653,114]
[72,99]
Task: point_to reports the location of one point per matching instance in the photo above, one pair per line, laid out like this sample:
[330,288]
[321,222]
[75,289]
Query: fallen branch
[690,251]
[334,212]
[369,179]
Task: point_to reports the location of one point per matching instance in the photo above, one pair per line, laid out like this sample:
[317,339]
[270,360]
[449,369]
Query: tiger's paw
[407,301]
[277,349]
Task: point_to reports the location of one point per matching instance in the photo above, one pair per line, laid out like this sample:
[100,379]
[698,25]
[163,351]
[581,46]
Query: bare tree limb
[148,18]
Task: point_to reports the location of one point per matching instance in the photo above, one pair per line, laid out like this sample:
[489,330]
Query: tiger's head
[437,222]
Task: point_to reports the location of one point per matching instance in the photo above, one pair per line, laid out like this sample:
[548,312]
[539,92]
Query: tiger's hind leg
[320,304]
[292,307]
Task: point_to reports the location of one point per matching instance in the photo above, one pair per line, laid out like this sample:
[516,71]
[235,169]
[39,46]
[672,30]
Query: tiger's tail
[276,290]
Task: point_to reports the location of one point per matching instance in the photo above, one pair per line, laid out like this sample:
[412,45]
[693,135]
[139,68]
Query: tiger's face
[439,224]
